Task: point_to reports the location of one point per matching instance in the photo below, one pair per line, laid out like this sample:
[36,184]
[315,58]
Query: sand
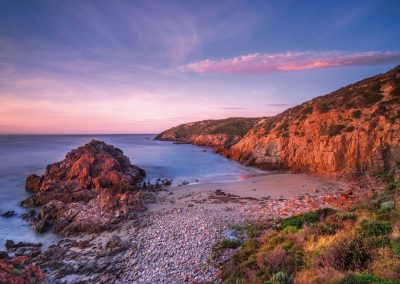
[274,186]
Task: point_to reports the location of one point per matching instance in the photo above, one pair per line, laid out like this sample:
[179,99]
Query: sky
[96,66]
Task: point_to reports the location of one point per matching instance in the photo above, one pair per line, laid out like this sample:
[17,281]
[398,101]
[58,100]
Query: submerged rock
[92,189]
[8,214]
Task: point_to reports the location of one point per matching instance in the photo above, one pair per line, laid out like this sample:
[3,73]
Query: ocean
[22,155]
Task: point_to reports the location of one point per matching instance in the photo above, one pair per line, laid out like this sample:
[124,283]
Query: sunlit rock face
[88,191]
[352,131]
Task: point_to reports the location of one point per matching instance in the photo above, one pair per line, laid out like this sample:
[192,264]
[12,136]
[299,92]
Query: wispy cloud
[233,108]
[291,61]
[279,105]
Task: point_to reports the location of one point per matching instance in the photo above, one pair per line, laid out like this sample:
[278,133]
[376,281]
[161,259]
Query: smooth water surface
[23,155]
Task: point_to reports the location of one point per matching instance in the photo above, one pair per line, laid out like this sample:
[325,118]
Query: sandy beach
[272,186]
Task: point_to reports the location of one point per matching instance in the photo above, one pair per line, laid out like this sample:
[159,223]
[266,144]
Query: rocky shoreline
[165,237]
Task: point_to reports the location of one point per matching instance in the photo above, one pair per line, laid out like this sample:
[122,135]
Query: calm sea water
[21,156]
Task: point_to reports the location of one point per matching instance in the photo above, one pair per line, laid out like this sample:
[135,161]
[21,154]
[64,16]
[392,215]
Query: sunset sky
[143,66]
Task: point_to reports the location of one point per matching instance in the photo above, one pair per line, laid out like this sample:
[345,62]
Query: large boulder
[93,188]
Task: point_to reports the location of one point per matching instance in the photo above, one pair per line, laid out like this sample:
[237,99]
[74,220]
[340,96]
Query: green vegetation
[335,129]
[224,244]
[232,127]
[368,99]
[283,126]
[308,110]
[356,114]
[360,245]
[364,279]
[323,108]
[349,129]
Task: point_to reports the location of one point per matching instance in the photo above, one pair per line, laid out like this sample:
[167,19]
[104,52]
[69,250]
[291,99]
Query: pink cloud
[291,61]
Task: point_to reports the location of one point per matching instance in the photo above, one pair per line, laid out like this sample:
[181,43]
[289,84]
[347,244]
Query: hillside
[222,133]
[352,131]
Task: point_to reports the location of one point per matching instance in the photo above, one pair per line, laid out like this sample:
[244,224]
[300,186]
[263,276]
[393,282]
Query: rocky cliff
[352,131]
[88,191]
[221,134]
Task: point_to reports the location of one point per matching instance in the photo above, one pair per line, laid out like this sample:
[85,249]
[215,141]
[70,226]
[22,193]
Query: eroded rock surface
[92,189]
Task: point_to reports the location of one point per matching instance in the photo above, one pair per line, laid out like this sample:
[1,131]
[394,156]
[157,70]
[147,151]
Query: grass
[365,278]
[359,245]
[373,228]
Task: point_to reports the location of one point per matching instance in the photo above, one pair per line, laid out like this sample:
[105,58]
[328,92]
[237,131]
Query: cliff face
[221,134]
[352,131]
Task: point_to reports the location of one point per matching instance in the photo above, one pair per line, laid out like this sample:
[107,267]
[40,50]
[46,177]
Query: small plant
[384,175]
[369,99]
[396,246]
[388,205]
[299,220]
[323,108]
[344,216]
[280,278]
[283,126]
[335,130]
[349,129]
[356,114]
[229,244]
[307,110]
[348,253]
[351,278]
[372,228]
[276,260]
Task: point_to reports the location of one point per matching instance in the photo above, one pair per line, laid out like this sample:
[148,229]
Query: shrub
[388,205]
[280,278]
[276,260]
[232,244]
[356,114]
[309,217]
[349,129]
[299,220]
[373,228]
[323,229]
[283,126]
[363,279]
[396,246]
[323,108]
[335,130]
[369,99]
[349,253]
[384,175]
[344,216]
[308,110]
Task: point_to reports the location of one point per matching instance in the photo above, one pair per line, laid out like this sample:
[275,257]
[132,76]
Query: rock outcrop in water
[93,188]
[352,131]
